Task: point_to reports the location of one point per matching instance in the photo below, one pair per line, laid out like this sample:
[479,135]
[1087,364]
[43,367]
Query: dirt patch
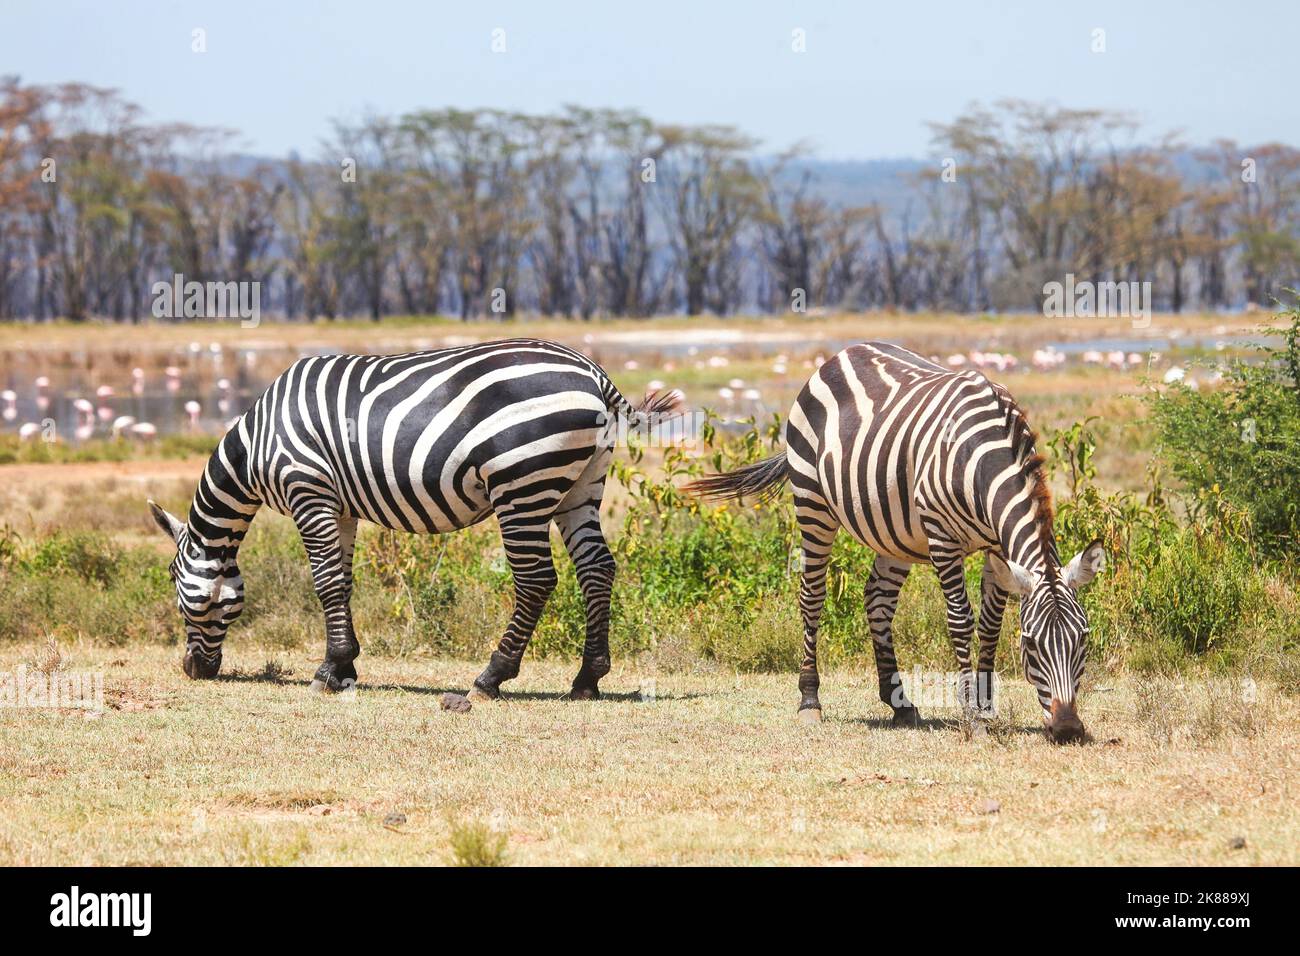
[134,697]
[290,806]
[138,471]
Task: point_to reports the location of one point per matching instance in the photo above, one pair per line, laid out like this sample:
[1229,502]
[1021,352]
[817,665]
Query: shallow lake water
[202,386]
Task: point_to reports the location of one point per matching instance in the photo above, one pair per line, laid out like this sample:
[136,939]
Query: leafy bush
[1239,444]
[1197,593]
[91,557]
[82,585]
[1173,592]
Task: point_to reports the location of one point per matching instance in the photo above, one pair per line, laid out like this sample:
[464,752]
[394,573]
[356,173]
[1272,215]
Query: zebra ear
[169,524]
[1085,565]
[1010,576]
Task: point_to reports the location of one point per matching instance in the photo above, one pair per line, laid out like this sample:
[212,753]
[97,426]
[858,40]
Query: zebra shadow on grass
[284,678]
[952,724]
[626,697]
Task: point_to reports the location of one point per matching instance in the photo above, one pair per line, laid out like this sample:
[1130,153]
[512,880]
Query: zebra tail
[671,402]
[655,408]
[762,480]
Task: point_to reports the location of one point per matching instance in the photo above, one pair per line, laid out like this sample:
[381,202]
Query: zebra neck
[1030,548]
[1028,539]
[224,504]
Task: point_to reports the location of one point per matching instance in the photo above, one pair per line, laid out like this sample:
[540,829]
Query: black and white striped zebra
[426,442]
[923,464]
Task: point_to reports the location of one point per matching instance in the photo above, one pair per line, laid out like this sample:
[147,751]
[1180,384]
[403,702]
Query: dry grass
[254,769]
[105,496]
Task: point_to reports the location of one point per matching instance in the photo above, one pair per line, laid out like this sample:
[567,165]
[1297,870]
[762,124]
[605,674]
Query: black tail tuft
[670,402]
[762,480]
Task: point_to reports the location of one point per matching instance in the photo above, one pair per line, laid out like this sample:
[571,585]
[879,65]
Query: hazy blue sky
[873,73]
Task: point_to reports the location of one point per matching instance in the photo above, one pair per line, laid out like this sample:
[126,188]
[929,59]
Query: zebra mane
[1024,446]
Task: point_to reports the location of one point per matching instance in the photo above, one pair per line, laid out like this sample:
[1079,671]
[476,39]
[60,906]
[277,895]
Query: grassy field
[254,769]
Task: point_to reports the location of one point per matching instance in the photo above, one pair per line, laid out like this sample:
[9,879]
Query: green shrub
[1197,594]
[91,557]
[1239,443]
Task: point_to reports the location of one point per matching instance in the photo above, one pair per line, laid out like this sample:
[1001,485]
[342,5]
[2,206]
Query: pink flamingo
[105,410]
[121,423]
[86,419]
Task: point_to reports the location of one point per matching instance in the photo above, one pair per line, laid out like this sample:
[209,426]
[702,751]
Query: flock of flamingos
[100,417]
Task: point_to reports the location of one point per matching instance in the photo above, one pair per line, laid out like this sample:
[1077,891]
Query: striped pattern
[923,464]
[426,442]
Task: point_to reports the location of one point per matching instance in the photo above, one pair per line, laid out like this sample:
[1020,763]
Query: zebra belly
[882,518]
[901,546]
[447,504]
[436,523]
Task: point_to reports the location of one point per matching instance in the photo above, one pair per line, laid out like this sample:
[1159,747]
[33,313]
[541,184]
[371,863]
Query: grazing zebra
[924,464]
[426,442]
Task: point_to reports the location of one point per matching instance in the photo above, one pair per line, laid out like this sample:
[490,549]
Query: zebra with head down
[923,464]
[426,442]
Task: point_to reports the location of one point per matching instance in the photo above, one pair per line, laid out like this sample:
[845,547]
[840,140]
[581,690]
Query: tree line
[596,212]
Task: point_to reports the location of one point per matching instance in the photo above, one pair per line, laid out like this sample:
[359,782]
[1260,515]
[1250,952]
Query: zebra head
[209,593]
[1053,632]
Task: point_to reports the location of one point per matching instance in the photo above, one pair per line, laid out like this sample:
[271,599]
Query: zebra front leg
[527,542]
[818,533]
[993,602]
[949,565]
[585,542]
[886,580]
[329,539]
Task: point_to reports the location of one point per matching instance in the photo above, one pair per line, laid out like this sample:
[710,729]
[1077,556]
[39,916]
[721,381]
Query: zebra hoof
[906,717]
[331,686]
[810,715]
[477,695]
[584,693]
[199,668]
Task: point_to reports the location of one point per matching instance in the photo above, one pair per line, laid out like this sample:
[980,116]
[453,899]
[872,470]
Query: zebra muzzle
[1064,725]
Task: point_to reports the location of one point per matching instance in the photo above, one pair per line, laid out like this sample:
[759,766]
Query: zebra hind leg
[883,586]
[817,529]
[527,540]
[594,563]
